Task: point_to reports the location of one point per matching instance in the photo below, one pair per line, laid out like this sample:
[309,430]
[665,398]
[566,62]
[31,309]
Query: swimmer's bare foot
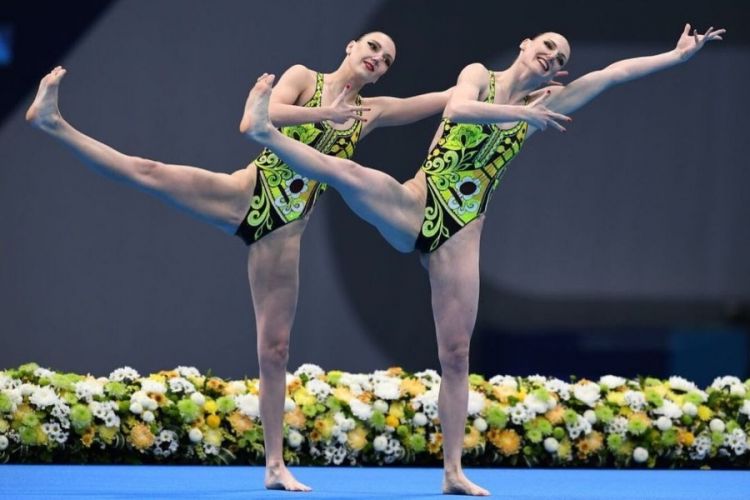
[255,122]
[43,112]
[278,477]
[458,484]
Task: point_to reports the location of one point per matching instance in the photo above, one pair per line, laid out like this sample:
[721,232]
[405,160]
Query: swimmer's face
[546,54]
[372,55]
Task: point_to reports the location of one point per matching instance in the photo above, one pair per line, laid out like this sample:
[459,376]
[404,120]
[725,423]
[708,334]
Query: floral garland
[385,417]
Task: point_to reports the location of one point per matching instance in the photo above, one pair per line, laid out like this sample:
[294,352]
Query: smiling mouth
[543,63]
[369,66]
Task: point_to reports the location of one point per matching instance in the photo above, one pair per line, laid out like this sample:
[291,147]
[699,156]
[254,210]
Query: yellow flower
[107,434]
[216,384]
[141,437]
[391,421]
[210,406]
[295,418]
[213,437]
[213,421]
[365,397]
[160,399]
[685,438]
[435,445]
[616,398]
[591,443]
[4,425]
[661,390]
[324,426]
[565,450]
[357,438]
[239,422]
[679,399]
[555,415]
[315,435]
[253,386]
[303,397]
[705,413]
[506,440]
[88,437]
[502,393]
[158,378]
[292,386]
[472,439]
[396,410]
[395,371]
[412,387]
[342,394]
[168,374]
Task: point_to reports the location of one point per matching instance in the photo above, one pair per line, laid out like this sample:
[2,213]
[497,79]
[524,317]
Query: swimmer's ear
[350,46]
[525,43]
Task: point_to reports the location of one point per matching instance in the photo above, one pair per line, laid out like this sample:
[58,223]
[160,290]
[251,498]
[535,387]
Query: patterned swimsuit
[281,195]
[462,171]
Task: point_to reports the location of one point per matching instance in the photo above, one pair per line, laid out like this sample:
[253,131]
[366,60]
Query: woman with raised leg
[440,211]
[266,203]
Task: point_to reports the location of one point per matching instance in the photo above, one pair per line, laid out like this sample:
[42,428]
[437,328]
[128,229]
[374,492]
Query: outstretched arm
[394,111]
[292,84]
[464,106]
[578,93]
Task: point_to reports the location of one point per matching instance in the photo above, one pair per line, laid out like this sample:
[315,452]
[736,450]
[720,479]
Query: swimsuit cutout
[281,195]
[462,171]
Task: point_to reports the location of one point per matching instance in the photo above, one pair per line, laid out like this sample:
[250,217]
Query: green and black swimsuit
[462,171]
[282,195]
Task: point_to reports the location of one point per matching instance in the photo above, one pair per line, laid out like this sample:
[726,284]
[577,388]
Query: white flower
[361,410]
[635,400]
[664,423]
[611,381]
[723,382]
[43,397]
[505,381]
[586,392]
[179,384]
[289,405]
[380,442]
[581,425]
[318,388]
[480,424]
[165,443]
[380,406]
[520,414]
[475,403]
[690,409]
[640,454]
[198,398]
[188,371]
[43,373]
[737,390]
[310,370]
[6,382]
[745,407]
[236,387]
[551,444]
[136,408]
[535,404]
[195,435]
[388,389]
[537,379]
[27,389]
[590,416]
[420,420]
[248,405]
[124,374]
[619,425]
[294,439]
[210,449]
[148,417]
[717,425]
[669,409]
[429,378]
[86,390]
[3,442]
[681,384]
[560,388]
[152,386]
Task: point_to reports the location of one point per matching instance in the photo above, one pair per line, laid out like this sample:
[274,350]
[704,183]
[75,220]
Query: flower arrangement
[385,417]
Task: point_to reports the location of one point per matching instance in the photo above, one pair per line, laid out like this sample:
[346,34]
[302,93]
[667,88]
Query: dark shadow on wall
[390,290]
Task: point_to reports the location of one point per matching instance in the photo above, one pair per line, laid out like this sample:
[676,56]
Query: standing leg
[454,281]
[218,198]
[273,269]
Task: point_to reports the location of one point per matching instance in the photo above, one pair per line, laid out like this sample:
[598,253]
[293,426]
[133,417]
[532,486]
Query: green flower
[28,369]
[377,420]
[604,414]
[189,410]
[669,437]
[570,417]
[475,379]
[29,435]
[310,410]
[65,381]
[416,442]
[717,438]
[541,394]
[650,382]
[614,441]
[694,398]
[686,419]
[334,377]
[117,390]
[80,417]
[637,427]
[5,403]
[539,424]
[535,435]
[732,425]
[653,398]
[558,433]
[496,417]
[30,420]
[402,431]
[225,404]
[333,404]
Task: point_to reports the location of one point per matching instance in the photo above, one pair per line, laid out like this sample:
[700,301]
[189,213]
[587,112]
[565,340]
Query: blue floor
[109,482]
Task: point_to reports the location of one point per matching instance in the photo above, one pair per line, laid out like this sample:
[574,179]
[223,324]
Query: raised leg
[395,209]
[454,281]
[273,269]
[218,198]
